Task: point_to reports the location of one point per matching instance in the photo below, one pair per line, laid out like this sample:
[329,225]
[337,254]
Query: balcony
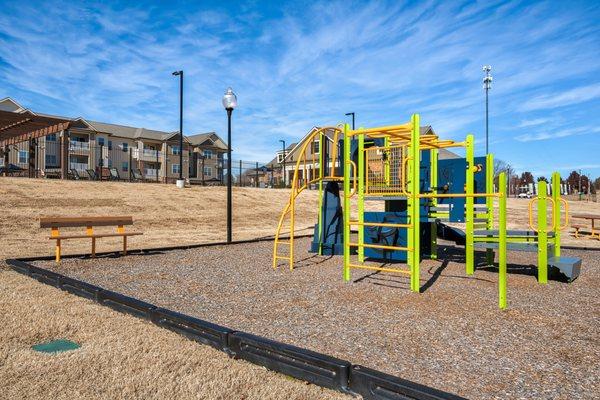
[150,172]
[78,166]
[146,154]
[79,146]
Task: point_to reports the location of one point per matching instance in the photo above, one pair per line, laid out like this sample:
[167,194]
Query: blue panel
[452,172]
[385,236]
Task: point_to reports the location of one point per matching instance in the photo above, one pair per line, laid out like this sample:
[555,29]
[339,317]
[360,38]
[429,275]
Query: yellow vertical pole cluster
[347,162]
[489,201]
[414,206]
[469,206]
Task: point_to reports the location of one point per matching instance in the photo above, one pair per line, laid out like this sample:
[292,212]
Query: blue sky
[299,64]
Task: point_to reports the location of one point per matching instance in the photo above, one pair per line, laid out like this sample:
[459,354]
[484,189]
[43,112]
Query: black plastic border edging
[317,368]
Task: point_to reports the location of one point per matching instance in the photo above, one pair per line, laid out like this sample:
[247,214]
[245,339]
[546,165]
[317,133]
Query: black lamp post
[229,102]
[283,161]
[351,113]
[180,74]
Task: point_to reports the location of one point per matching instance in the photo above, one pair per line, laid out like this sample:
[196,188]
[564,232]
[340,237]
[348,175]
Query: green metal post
[321,174]
[556,212]
[433,158]
[542,233]
[347,177]
[502,241]
[469,207]
[361,196]
[489,201]
[415,212]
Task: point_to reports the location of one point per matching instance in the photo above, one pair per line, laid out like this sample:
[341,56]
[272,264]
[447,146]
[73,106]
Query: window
[51,160]
[175,168]
[208,171]
[176,149]
[100,141]
[208,154]
[125,166]
[315,147]
[109,163]
[125,147]
[280,158]
[51,138]
[23,156]
[110,144]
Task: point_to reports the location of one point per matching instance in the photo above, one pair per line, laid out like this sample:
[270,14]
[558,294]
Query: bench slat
[96,235]
[64,222]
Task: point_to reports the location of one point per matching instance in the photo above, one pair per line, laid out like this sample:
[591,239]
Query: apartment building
[101,146]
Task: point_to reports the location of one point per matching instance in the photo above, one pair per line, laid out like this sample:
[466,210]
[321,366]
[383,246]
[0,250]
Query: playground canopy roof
[26,125]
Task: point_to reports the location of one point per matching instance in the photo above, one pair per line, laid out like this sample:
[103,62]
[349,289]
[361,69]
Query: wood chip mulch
[452,336]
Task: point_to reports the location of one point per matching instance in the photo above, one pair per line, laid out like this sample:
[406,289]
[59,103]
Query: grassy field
[167,215]
[129,358]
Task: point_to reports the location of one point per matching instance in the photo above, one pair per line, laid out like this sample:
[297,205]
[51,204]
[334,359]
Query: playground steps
[568,266]
[509,233]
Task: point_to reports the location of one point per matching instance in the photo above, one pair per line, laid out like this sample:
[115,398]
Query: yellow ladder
[284,236]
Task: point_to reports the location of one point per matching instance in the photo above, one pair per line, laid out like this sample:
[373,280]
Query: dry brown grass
[167,215]
[121,357]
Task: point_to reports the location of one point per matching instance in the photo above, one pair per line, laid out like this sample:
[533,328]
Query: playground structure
[400,166]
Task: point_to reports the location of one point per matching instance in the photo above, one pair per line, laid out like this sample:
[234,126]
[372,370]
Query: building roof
[210,138]
[274,162]
[207,139]
[445,154]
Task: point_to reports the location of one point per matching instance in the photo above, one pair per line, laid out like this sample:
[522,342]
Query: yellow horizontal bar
[383,129]
[383,224]
[283,242]
[379,246]
[283,257]
[399,271]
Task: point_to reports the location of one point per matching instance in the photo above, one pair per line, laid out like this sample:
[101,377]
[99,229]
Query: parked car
[524,195]
[12,168]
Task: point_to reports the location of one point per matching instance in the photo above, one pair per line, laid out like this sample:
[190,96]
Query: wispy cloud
[563,98]
[295,65]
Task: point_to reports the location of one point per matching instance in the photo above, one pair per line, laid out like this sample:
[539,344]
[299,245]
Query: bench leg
[93,247]
[57,250]
[124,245]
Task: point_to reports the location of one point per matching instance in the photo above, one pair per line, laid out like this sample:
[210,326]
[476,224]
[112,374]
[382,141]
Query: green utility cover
[56,346]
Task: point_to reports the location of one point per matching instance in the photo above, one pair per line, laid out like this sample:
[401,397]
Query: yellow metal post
[361,196]
[434,202]
[469,207]
[502,279]
[556,212]
[542,233]
[489,201]
[322,167]
[415,179]
[347,177]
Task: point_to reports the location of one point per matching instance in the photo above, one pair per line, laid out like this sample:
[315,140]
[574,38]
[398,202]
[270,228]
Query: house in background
[99,146]
[206,157]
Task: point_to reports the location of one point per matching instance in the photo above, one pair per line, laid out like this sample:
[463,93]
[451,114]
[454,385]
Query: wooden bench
[55,223]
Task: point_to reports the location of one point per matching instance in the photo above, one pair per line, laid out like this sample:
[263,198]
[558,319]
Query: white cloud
[565,98]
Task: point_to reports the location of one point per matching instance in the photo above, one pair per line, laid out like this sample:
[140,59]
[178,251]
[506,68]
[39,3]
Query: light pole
[348,114]
[180,74]
[283,162]
[229,102]
[487,85]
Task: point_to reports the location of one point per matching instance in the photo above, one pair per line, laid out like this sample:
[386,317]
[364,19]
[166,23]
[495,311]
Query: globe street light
[487,85]
[229,102]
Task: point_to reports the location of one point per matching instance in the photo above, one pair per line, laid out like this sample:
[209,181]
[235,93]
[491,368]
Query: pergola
[18,127]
